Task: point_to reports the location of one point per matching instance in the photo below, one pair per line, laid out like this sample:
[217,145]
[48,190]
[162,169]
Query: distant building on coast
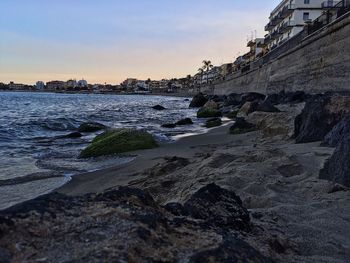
[82,84]
[289,18]
[55,85]
[16,86]
[40,85]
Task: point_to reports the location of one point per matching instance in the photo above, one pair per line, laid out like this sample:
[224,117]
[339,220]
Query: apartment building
[289,18]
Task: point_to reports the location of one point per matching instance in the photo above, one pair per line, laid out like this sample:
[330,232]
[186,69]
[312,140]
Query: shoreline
[179,95]
[84,183]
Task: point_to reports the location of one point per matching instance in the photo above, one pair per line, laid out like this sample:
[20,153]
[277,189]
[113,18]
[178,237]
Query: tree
[207,66]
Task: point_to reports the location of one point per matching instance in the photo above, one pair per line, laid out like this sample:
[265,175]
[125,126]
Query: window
[306,2]
[306,16]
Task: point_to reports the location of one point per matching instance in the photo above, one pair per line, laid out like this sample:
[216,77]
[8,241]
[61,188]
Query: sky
[111,40]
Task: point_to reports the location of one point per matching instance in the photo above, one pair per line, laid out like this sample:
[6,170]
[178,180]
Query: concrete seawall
[321,62]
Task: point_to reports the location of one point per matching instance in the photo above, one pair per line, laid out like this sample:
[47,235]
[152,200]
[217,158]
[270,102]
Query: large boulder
[267,106]
[127,225]
[214,122]
[337,168]
[242,126]
[91,127]
[119,141]
[233,99]
[337,134]
[252,96]
[217,207]
[186,121]
[292,97]
[207,113]
[248,108]
[320,115]
[198,101]
[211,105]
[277,123]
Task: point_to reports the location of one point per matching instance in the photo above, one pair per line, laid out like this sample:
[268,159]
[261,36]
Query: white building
[82,83]
[40,85]
[289,18]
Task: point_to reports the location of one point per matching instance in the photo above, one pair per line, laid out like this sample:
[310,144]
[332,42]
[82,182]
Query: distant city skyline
[110,41]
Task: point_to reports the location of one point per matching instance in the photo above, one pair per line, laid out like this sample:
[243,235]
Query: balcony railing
[286,26]
[330,4]
[287,10]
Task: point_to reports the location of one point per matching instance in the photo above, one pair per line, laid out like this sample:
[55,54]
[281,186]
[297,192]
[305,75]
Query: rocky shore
[272,186]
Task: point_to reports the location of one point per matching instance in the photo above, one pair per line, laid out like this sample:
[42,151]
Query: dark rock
[341,130]
[273,99]
[5,256]
[242,126]
[293,97]
[169,125]
[186,121]
[208,113]
[158,107]
[73,135]
[119,141]
[214,122]
[230,250]
[320,115]
[232,114]
[233,99]
[267,106]
[127,225]
[198,101]
[252,96]
[218,207]
[91,127]
[337,168]
[218,98]
[176,209]
[248,107]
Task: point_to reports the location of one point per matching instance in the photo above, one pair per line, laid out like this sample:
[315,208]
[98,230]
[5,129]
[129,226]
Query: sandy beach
[307,218]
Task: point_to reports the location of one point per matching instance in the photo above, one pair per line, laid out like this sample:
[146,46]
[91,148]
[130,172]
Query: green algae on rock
[119,141]
[208,113]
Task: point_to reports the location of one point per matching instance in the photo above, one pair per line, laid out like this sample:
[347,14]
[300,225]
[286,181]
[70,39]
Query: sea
[35,156]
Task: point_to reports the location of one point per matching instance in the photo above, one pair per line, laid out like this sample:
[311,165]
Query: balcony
[268,39]
[287,10]
[330,4]
[286,26]
[269,26]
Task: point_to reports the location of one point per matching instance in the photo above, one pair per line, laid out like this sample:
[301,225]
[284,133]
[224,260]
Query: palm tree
[207,66]
[201,72]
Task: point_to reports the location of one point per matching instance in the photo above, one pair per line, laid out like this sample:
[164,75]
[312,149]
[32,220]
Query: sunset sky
[110,40]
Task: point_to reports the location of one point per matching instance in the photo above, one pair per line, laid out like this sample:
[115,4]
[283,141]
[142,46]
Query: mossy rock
[215,122]
[119,141]
[232,115]
[208,113]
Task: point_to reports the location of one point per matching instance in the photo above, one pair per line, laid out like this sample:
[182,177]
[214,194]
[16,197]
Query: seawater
[35,159]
